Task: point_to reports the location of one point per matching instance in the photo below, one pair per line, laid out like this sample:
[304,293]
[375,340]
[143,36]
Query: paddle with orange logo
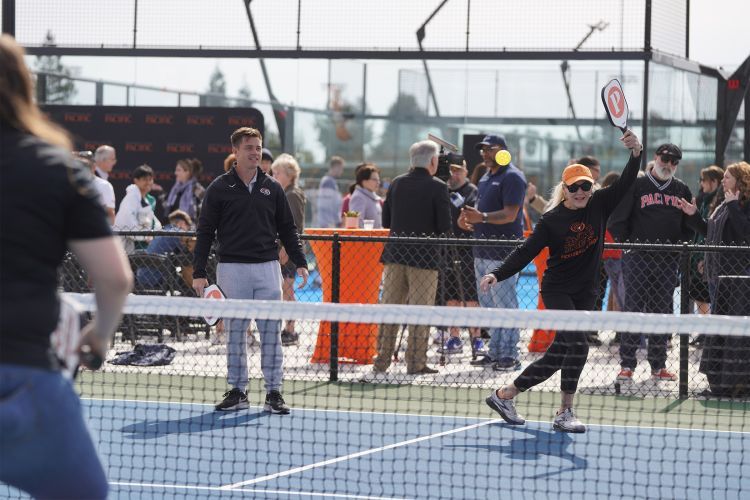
[614,101]
[213,292]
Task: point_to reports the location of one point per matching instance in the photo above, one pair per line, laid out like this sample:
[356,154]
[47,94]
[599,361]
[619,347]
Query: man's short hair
[242,132]
[335,160]
[422,152]
[142,171]
[102,152]
[588,161]
[180,215]
[712,173]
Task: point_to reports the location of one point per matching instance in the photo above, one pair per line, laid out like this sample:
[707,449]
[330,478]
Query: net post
[684,309]
[335,298]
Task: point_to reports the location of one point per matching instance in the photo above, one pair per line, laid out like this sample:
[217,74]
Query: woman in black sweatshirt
[573,229]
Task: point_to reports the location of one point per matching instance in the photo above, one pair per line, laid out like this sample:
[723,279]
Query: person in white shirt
[136,212]
[103,187]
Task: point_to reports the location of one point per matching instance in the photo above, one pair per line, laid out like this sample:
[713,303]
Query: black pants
[650,280]
[568,351]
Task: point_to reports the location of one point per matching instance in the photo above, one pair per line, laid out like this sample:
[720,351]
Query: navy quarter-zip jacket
[246,224]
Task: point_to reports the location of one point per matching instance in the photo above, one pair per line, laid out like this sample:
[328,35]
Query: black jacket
[417,204]
[247,225]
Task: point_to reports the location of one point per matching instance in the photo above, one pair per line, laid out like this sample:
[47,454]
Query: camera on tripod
[448,155]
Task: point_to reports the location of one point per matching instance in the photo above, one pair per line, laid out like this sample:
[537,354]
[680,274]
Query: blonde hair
[289,164]
[17,106]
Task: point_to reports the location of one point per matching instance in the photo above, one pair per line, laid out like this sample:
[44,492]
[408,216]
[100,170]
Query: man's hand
[304,274]
[198,285]
[630,140]
[471,215]
[686,206]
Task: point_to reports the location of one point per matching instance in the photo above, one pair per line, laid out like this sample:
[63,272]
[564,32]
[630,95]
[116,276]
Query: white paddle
[614,102]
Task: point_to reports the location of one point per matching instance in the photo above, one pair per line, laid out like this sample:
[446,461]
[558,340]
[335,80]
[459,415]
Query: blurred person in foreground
[417,204]
[45,448]
[574,232]
[651,213]
[286,171]
[247,212]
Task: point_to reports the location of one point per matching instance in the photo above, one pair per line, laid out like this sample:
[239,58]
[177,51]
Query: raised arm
[615,192]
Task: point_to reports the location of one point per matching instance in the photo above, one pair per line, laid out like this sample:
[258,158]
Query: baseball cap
[576,172]
[669,149]
[266,154]
[492,140]
[457,166]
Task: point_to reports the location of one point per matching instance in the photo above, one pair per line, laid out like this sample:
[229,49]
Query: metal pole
[135,24]
[335,297]
[646,75]
[684,309]
[9,17]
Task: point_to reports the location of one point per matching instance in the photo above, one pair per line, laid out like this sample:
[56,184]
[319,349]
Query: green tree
[217,89]
[59,89]
[405,126]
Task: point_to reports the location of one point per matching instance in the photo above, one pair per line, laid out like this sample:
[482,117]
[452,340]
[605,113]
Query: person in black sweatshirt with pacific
[651,213]
[574,232]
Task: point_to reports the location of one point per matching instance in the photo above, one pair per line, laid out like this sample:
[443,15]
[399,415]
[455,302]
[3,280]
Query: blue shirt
[506,187]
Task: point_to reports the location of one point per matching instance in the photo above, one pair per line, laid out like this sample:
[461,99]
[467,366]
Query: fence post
[684,309]
[335,297]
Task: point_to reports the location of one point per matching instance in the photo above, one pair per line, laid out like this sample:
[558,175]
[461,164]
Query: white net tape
[432,315]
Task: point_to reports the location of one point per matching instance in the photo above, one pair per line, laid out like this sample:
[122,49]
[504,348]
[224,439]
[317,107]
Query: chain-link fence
[635,277]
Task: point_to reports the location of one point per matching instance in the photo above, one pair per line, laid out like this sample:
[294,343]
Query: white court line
[249,490]
[354,455]
[454,417]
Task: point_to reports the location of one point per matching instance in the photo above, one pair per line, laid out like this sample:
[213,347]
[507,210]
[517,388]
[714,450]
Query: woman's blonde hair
[289,164]
[17,107]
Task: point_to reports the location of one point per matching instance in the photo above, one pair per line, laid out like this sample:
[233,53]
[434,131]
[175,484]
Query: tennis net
[353,433]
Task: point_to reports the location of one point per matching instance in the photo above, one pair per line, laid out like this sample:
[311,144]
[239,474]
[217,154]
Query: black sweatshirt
[246,224]
[650,213]
[575,239]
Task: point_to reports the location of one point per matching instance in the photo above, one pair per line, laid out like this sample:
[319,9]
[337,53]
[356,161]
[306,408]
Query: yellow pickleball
[503,157]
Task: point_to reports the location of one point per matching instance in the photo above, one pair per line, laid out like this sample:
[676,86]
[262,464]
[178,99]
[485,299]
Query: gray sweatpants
[261,282]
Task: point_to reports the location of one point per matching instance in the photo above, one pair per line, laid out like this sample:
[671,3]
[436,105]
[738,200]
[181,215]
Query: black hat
[669,149]
[266,154]
[492,140]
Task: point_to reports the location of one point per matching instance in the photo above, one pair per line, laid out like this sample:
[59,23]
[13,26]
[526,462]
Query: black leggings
[568,351]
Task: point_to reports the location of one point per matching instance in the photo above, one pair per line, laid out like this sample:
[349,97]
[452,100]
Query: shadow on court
[210,421]
[537,445]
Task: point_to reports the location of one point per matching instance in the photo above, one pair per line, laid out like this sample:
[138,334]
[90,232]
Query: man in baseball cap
[490,141]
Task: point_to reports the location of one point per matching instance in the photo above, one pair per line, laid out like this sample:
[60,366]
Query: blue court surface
[157,450]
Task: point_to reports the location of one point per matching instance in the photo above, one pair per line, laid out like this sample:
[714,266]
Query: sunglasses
[585,185]
[669,159]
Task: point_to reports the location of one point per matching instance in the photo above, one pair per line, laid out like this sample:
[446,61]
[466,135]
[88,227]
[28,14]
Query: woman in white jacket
[136,213]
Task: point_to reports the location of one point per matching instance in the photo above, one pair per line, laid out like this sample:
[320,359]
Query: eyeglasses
[585,185]
[669,159]
[488,149]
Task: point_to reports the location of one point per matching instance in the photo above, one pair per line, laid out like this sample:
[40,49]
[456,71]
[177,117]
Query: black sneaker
[289,338]
[275,403]
[507,365]
[484,361]
[233,400]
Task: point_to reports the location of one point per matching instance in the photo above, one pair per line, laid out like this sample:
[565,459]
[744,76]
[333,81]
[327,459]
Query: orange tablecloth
[361,273]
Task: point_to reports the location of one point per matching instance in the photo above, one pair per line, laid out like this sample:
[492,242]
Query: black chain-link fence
[636,277]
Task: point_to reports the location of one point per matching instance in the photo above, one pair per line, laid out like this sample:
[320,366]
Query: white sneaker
[568,422]
[506,408]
